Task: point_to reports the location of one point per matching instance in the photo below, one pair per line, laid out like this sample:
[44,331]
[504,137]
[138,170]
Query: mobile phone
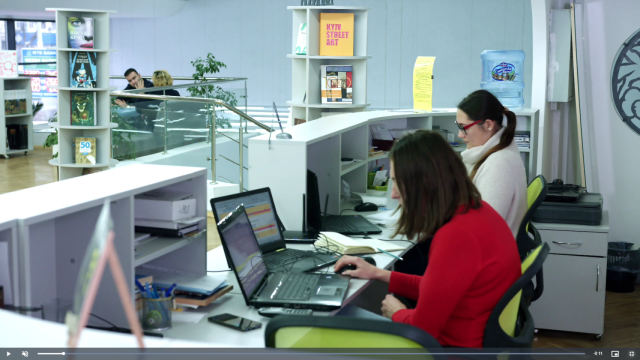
[235,322]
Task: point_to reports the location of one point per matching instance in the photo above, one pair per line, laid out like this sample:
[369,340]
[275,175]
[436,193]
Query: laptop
[343,224]
[267,228]
[263,288]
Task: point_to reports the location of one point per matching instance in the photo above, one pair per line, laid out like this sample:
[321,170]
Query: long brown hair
[432,181]
[483,105]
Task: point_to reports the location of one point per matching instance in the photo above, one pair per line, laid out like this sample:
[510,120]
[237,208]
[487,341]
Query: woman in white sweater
[492,157]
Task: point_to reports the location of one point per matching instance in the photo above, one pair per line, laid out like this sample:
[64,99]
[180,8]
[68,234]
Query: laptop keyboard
[297,287]
[285,257]
[338,224]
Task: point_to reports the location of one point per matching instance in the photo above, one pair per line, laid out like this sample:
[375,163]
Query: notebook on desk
[264,220]
[262,288]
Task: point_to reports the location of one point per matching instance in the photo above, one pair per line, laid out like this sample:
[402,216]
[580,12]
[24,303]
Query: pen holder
[156,313]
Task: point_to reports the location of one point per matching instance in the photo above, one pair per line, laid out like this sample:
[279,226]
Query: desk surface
[234,303]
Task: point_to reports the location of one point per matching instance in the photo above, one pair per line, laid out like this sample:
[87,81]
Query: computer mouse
[345,268]
[370,260]
[366,207]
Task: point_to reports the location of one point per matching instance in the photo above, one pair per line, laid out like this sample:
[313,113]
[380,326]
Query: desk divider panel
[38,262]
[9,236]
[323,158]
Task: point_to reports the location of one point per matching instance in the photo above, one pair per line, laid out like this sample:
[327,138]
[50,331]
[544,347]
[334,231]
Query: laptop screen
[245,254]
[260,211]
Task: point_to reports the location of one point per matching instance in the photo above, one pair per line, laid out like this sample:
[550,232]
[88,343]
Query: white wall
[616,173]
[253,37]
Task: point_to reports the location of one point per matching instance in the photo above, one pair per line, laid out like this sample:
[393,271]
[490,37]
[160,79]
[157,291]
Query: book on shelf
[523,139]
[89,171]
[298,121]
[85,150]
[187,298]
[15,102]
[80,32]
[168,224]
[301,42]
[82,69]
[164,205]
[8,64]
[336,84]
[18,136]
[348,246]
[336,34]
[83,108]
[166,232]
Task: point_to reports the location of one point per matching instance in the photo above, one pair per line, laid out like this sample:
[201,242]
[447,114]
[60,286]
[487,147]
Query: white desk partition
[9,279]
[56,221]
[319,145]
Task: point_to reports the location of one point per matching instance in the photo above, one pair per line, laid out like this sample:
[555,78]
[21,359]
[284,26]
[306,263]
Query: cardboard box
[164,205]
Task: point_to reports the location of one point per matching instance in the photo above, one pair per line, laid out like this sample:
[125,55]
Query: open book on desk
[349,246]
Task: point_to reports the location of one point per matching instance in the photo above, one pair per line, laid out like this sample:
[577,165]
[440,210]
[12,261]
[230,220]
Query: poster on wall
[8,63]
[423,83]
[38,59]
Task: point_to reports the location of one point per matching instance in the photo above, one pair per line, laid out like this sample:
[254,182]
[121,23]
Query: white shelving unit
[53,235]
[306,68]
[319,145]
[15,119]
[102,132]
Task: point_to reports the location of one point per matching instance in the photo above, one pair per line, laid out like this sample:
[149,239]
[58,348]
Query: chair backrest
[343,332]
[501,330]
[536,193]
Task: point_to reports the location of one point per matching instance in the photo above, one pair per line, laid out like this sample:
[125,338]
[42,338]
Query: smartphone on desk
[235,322]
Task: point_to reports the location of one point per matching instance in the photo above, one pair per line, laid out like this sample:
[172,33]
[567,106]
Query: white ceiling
[35,9]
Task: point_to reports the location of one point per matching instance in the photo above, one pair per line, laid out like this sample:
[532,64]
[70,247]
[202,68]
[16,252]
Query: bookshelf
[52,235]
[102,131]
[319,145]
[306,71]
[15,119]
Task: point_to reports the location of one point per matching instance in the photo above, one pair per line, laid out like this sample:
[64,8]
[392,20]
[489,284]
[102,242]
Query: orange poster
[336,34]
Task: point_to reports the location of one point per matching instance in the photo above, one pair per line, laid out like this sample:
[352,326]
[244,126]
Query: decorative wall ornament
[625,82]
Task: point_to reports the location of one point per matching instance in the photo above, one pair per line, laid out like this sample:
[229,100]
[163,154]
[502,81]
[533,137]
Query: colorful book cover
[336,34]
[80,31]
[336,85]
[85,150]
[8,63]
[82,69]
[301,43]
[83,108]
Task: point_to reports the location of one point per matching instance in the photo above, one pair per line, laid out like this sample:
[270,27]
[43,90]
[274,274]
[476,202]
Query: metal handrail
[166,98]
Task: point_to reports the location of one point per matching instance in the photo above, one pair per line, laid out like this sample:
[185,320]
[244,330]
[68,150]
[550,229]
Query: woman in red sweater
[473,259]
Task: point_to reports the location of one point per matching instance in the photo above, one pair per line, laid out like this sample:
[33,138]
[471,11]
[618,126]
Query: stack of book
[523,139]
[166,213]
[190,291]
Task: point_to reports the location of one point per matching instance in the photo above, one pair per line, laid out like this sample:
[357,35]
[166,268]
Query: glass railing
[173,130]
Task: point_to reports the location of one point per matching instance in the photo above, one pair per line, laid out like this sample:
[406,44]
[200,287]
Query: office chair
[343,332]
[510,324]
[536,193]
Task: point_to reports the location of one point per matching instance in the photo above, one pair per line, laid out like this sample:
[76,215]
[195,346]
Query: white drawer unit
[575,275]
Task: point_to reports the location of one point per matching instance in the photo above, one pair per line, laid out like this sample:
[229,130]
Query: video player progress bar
[51,353]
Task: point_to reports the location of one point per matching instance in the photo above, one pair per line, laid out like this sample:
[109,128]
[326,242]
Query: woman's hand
[364,269]
[390,305]
[121,103]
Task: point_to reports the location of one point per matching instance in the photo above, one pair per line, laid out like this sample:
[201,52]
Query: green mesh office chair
[510,324]
[528,237]
[536,193]
[343,332]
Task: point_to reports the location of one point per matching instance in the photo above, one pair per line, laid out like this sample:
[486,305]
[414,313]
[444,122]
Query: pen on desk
[169,291]
[390,254]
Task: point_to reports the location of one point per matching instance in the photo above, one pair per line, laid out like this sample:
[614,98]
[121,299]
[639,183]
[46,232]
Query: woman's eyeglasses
[464,128]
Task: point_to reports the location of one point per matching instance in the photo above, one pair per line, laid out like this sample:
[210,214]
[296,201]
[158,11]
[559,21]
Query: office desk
[234,303]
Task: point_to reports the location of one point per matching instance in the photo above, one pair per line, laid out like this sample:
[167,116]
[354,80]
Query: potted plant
[52,140]
[210,65]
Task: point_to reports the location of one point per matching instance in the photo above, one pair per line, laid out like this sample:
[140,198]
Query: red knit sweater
[473,260]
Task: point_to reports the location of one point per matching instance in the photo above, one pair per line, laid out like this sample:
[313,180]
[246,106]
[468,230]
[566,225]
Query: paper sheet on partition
[422,82]
[5,273]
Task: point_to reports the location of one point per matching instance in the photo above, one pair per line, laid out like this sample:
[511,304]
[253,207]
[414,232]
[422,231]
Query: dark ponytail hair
[483,105]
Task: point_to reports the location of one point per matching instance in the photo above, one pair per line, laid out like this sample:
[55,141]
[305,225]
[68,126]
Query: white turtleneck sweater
[501,179]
